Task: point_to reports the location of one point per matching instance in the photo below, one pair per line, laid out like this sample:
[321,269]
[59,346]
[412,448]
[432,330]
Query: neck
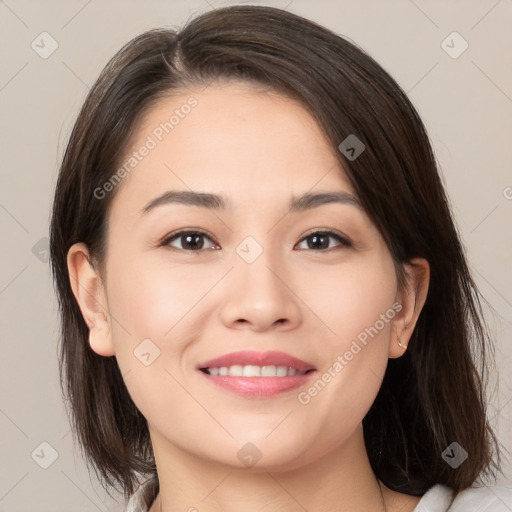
[340,480]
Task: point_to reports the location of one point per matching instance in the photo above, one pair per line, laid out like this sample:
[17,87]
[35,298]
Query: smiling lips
[257,374]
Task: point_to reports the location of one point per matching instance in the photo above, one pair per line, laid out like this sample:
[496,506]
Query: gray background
[465,102]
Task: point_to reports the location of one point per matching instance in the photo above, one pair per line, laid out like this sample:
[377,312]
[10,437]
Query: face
[263,312]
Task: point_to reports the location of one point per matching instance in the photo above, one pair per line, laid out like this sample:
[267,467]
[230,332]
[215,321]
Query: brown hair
[430,397]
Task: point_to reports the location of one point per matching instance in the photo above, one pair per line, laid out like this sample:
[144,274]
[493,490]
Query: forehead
[235,139]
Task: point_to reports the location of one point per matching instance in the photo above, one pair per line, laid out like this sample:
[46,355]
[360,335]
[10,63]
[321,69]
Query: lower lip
[259,387]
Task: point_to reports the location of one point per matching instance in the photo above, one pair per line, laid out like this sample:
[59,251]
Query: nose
[260,296]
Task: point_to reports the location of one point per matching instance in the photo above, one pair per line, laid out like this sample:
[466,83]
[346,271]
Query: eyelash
[174,236]
[343,242]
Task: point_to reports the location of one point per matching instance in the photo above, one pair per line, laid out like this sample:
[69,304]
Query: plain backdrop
[464,98]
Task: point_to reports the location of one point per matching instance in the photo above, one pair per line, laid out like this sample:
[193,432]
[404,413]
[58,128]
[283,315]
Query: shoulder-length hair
[430,397]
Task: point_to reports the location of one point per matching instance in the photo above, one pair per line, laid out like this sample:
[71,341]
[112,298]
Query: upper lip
[250,357]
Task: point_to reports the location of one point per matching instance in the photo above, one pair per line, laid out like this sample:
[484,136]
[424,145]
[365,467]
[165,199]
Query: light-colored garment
[474,499]
[144,497]
[438,499]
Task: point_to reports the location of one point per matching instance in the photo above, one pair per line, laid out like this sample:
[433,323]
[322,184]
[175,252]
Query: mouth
[254,371]
[257,374]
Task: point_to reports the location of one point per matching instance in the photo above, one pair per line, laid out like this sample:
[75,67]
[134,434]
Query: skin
[257,149]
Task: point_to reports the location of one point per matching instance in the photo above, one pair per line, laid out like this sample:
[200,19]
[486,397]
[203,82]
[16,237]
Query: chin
[262,453]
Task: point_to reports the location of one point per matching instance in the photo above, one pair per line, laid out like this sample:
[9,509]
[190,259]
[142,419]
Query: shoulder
[478,499]
[143,497]
[483,499]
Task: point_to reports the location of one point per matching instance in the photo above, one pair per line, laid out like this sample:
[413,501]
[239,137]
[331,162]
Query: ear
[89,292]
[411,298]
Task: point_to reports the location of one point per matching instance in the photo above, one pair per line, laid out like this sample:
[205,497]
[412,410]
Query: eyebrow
[191,198]
[216,202]
[308,201]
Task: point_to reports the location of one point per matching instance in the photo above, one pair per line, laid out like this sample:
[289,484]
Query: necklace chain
[382,496]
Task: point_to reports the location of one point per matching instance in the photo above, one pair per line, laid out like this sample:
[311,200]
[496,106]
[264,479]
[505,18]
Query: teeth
[282,371]
[254,371]
[236,370]
[250,371]
[268,371]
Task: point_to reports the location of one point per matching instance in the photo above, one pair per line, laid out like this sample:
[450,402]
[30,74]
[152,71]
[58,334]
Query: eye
[191,240]
[321,240]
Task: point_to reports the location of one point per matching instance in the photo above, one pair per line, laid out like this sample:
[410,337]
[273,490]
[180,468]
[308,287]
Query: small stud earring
[400,344]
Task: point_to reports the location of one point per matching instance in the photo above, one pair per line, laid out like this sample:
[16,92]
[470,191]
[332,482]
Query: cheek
[351,298]
[356,305]
[149,303]
[149,298]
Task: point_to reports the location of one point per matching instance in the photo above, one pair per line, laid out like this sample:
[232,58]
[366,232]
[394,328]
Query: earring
[400,344]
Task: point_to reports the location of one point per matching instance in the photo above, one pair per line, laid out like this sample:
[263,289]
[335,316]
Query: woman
[265,303]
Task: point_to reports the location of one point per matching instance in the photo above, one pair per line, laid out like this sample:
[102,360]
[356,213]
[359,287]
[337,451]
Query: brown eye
[188,240]
[321,240]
